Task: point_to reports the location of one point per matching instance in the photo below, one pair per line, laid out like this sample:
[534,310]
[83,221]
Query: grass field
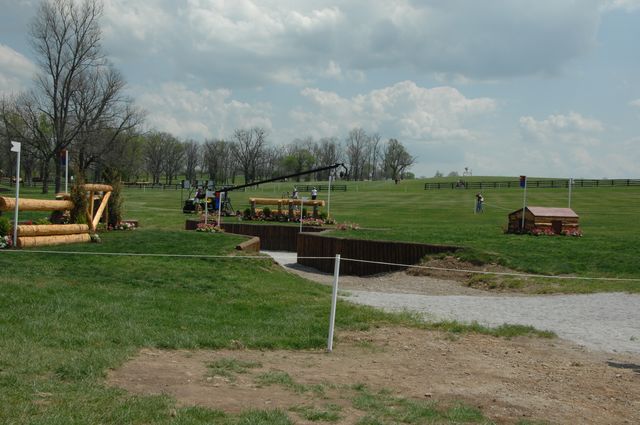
[67,319]
[407,212]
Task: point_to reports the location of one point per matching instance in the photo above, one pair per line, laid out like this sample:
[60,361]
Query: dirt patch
[397,282]
[448,267]
[509,380]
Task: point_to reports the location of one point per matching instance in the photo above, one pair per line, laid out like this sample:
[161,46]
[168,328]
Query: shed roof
[550,212]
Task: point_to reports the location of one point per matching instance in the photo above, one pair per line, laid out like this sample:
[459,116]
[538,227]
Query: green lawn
[407,212]
[67,319]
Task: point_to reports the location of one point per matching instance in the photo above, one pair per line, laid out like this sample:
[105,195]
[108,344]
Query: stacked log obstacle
[51,234]
[290,203]
[56,234]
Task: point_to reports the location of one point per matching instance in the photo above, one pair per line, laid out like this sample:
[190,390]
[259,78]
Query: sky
[545,88]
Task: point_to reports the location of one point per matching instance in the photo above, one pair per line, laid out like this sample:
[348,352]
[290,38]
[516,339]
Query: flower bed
[548,231]
[5,242]
[209,228]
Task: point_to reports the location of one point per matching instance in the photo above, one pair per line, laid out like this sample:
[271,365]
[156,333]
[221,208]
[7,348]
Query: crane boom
[315,170]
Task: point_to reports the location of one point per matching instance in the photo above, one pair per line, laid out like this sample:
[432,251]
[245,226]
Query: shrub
[79,198]
[5,226]
[247,213]
[266,211]
[116,201]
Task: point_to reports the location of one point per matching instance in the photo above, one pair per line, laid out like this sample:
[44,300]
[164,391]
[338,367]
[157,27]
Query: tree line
[77,104]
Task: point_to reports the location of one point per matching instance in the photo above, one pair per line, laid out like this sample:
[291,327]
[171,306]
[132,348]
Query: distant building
[543,220]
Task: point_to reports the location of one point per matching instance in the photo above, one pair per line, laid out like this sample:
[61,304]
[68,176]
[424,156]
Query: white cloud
[635,103]
[200,114]
[627,5]
[403,110]
[572,145]
[16,71]
[572,129]
[251,41]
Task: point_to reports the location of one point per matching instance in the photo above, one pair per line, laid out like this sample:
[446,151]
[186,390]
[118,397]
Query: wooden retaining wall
[315,245]
[272,237]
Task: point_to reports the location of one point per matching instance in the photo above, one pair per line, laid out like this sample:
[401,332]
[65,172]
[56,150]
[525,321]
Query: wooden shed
[545,220]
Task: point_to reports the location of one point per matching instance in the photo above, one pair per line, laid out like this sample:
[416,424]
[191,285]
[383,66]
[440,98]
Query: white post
[570,186]
[524,204]
[329,197]
[334,300]
[220,206]
[206,207]
[15,147]
[66,171]
[302,199]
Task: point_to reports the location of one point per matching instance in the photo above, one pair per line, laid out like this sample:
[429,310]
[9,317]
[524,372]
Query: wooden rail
[532,184]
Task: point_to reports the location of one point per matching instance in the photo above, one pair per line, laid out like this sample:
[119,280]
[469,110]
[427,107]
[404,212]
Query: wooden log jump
[34,241]
[26,204]
[56,234]
[290,203]
[52,229]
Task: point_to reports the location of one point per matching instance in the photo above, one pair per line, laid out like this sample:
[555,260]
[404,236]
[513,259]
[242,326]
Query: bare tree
[77,91]
[327,152]
[106,115]
[126,156]
[154,151]
[247,149]
[396,159]
[192,157]
[299,156]
[374,154]
[217,160]
[355,148]
[172,158]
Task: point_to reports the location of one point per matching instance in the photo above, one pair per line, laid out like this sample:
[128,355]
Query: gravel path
[607,321]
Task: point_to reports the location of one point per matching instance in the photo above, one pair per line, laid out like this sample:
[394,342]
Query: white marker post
[220,207]
[524,203]
[334,300]
[329,197]
[16,147]
[302,199]
[570,186]
[66,171]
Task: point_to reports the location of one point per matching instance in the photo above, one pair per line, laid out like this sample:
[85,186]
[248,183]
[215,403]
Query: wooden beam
[101,208]
[52,229]
[34,241]
[26,204]
[90,187]
[90,208]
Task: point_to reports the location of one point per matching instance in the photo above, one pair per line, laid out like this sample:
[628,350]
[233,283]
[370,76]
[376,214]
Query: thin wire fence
[294,258]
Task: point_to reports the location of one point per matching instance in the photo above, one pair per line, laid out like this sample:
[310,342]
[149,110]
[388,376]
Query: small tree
[79,199]
[116,201]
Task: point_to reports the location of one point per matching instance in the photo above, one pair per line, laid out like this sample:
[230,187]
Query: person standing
[314,193]
[294,194]
[479,202]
